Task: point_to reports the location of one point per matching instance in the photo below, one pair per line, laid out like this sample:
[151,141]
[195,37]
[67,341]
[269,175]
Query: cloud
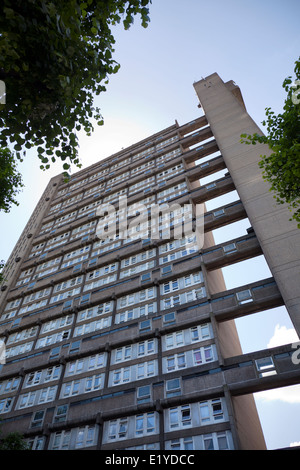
[282,335]
[289,394]
[295,444]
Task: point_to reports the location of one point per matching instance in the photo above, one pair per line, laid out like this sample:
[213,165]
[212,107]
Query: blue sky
[255,43]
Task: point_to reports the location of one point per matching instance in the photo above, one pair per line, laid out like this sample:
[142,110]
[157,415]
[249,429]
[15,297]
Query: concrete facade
[132,344]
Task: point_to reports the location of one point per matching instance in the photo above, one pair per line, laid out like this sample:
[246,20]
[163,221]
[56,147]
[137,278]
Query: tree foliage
[55,56]
[282,168]
[13,441]
[10,180]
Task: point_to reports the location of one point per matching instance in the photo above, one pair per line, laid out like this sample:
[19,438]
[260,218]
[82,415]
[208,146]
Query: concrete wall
[278,236]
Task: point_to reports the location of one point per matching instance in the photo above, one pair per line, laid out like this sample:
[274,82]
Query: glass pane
[208,443]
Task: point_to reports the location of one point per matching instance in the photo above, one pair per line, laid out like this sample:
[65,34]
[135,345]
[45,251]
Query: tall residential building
[130,342]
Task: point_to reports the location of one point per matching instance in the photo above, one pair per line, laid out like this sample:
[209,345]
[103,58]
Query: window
[23,334]
[176,362]
[121,376]
[76,438]
[95,311]
[211,411]
[37,295]
[55,352]
[135,312]
[230,248]
[180,298]
[170,286]
[184,443]
[71,388]
[42,376]
[67,284]
[166,269]
[6,405]
[51,339]
[97,325]
[16,350]
[144,424]
[37,397]
[203,355]
[200,333]
[123,354]
[146,347]
[85,437]
[146,277]
[52,373]
[36,443]
[244,296]
[180,417]
[174,340]
[85,299]
[97,361]
[47,394]
[265,366]
[60,414]
[173,388]
[215,441]
[67,305]
[219,212]
[169,318]
[93,383]
[145,325]
[65,295]
[118,429]
[60,322]
[9,385]
[145,369]
[144,394]
[89,363]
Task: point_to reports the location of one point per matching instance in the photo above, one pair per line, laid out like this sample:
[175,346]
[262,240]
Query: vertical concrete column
[278,236]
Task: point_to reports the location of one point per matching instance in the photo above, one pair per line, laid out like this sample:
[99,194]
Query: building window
[121,376]
[169,318]
[265,367]
[230,248]
[176,362]
[144,424]
[211,411]
[244,296]
[6,405]
[9,385]
[76,438]
[123,354]
[145,325]
[60,414]
[184,443]
[144,394]
[36,443]
[173,388]
[118,429]
[215,441]
[200,333]
[174,340]
[180,417]
[203,355]
[146,347]
[74,347]
[145,369]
